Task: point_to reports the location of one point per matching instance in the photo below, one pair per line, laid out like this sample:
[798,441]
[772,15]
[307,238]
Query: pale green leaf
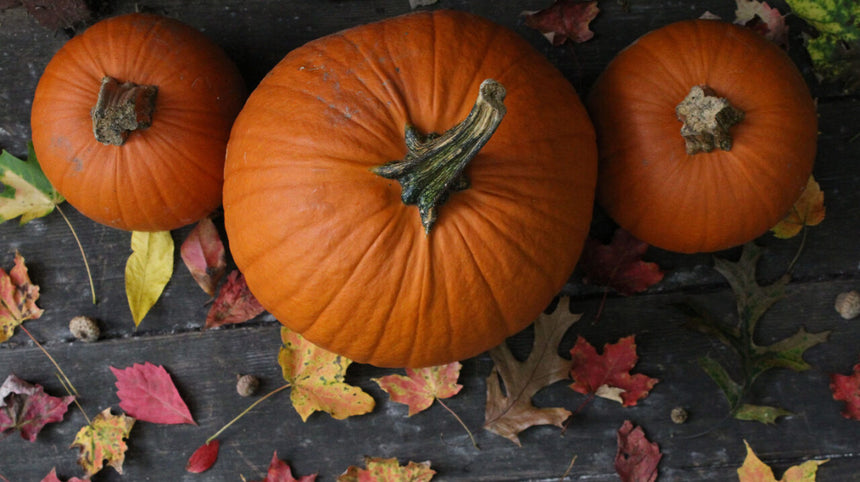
[25,190]
[760,413]
[147,270]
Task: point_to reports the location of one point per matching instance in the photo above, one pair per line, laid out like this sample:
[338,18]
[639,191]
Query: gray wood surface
[204,364]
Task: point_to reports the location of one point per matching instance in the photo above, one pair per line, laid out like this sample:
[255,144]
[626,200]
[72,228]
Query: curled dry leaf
[563,20]
[103,440]
[764,19]
[27,408]
[204,255]
[235,303]
[18,297]
[147,393]
[637,458]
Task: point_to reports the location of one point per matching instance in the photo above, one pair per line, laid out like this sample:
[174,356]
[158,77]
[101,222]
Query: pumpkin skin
[706,201]
[162,177]
[328,247]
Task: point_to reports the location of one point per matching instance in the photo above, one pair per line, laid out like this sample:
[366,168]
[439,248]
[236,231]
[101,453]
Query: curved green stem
[81,249]
[242,414]
[434,164]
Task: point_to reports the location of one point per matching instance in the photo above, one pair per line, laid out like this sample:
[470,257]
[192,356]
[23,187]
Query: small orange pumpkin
[706,133]
[410,249]
[130,122]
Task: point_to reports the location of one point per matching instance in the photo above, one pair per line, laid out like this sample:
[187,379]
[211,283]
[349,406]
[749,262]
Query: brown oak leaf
[608,375]
[509,410]
[619,265]
[563,20]
[637,458]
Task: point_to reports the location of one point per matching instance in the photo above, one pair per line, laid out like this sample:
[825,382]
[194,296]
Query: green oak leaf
[25,190]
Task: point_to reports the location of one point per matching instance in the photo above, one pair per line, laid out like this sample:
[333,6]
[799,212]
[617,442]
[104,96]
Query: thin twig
[81,248]
[64,380]
[463,424]
[250,407]
[567,472]
[794,260]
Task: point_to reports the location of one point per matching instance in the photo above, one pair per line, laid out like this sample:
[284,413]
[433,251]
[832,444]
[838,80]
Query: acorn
[848,304]
[247,385]
[84,328]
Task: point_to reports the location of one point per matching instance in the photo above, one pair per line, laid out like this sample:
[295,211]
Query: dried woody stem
[707,119]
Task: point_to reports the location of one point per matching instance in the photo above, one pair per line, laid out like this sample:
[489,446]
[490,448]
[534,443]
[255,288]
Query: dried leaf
[52,477]
[619,264]
[846,388]
[421,387]
[808,210]
[509,411]
[764,19]
[147,270]
[608,375]
[280,471]
[413,4]
[388,470]
[24,189]
[103,440]
[834,49]
[317,380]
[55,14]
[637,458]
[754,470]
[18,297]
[204,255]
[203,458]
[563,20]
[27,408]
[147,393]
[235,303]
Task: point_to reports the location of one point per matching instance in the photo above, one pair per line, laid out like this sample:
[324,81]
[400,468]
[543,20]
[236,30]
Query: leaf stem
[250,407]
[460,420]
[81,248]
[64,380]
[802,245]
[567,472]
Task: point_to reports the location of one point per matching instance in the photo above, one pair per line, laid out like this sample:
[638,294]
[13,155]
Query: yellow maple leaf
[754,470]
[381,470]
[317,380]
[808,210]
[147,270]
[102,440]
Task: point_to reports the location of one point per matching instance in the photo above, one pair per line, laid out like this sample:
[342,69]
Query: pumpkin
[706,134]
[410,192]
[130,122]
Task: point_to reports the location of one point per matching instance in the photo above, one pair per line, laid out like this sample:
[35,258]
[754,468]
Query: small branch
[250,407]
[460,420]
[81,248]
[567,472]
[64,380]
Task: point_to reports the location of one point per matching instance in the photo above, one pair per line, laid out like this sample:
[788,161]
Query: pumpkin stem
[121,109]
[707,119]
[434,163]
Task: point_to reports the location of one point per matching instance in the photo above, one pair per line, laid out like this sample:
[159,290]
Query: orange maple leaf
[808,210]
[18,297]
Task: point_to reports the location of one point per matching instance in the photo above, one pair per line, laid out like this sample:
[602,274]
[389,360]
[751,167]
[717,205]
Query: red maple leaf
[608,375]
[52,477]
[619,265]
[204,255]
[147,393]
[27,408]
[18,297]
[637,458]
[422,386]
[203,458]
[847,389]
[565,19]
[235,303]
[280,471]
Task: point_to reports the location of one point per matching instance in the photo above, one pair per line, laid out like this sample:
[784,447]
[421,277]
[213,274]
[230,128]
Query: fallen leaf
[53,15]
[235,303]
[103,440]
[280,471]
[147,270]
[760,413]
[52,477]
[619,265]
[808,210]
[25,190]
[764,19]
[608,375]
[846,388]
[563,20]
[204,255]
[754,470]
[147,393]
[18,297]
[27,408]
[509,411]
[413,4]
[833,50]
[388,470]
[422,386]
[637,458]
[316,377]
[203,458]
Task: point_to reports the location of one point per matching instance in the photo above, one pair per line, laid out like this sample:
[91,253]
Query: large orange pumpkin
[130,122]
[706,133]
[345,126]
